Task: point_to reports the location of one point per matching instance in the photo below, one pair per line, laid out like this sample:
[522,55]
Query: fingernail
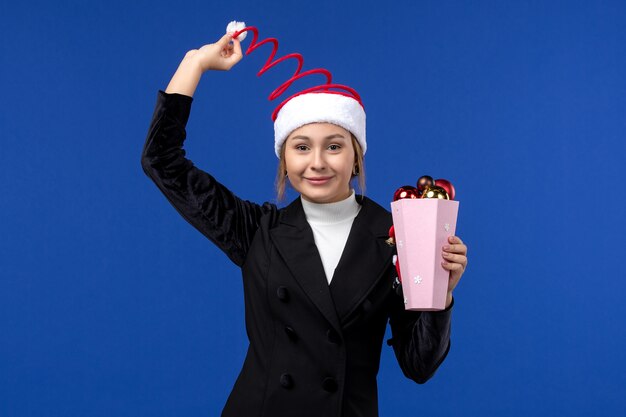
[446,247]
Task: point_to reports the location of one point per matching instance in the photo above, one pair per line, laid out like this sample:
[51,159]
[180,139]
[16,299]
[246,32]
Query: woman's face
[319,159]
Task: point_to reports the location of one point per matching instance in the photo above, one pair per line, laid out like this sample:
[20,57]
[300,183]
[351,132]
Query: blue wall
[112,305]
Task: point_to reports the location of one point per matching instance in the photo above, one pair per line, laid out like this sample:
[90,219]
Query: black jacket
[314,348]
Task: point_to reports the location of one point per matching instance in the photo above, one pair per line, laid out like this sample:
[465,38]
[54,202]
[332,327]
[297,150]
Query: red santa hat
[330,103]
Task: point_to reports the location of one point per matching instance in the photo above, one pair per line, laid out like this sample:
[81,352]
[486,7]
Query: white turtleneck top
[331,224]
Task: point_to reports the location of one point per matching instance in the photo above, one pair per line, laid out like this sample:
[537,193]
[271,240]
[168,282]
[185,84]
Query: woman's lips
[318,180]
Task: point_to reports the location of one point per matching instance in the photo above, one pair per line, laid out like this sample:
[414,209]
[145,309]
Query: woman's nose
[318,162]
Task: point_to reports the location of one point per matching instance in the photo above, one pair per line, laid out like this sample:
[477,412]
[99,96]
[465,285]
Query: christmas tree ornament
[423,182]
[446,185]
[406,191]
[434,191]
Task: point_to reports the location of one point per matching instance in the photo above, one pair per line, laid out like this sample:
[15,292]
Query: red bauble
[446,185]
[392,232]
[423,182]
[406,191]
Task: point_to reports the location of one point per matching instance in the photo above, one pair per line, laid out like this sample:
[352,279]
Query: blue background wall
[112,305]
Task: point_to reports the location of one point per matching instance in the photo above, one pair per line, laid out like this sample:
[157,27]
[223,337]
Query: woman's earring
[355,171]
[285,173]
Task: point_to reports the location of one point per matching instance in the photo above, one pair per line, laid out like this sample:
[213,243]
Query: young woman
[317,274]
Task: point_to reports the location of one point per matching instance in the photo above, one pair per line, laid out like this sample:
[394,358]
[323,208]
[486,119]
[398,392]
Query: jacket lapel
[365,259]
[294,241]
[363,262]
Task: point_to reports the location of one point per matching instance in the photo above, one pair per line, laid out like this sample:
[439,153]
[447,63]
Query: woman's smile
[318,180]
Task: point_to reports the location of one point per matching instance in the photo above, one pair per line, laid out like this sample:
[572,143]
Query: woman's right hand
[221,55]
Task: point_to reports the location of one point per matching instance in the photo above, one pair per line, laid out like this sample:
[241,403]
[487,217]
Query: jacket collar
[363,262]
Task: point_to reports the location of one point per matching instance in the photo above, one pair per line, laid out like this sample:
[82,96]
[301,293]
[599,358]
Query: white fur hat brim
[319,108]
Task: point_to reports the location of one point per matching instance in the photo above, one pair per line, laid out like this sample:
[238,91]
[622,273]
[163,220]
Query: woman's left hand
[455,261]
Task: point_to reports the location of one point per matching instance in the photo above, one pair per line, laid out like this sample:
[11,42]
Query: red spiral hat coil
[346,91]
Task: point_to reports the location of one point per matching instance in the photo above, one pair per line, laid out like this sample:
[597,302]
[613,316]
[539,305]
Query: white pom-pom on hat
[234,26]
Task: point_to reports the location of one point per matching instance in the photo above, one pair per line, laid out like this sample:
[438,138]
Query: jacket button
[366,305]
[286,381]
[329,384]
[282,293]
[291,333]
[333,337]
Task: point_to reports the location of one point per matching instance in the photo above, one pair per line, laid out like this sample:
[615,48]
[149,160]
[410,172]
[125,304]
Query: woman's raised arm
[210,207]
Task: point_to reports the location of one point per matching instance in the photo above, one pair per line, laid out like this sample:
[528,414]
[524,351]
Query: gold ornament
[434,191]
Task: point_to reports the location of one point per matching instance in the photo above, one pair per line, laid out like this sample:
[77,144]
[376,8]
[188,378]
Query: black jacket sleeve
[207,205]
[420,340]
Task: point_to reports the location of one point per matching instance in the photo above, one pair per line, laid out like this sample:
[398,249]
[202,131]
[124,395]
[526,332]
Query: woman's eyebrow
[333,136]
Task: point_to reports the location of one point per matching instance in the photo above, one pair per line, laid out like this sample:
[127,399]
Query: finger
[455,239]
[452,266]
[237,47]
[234,57]
[455,249]
[223,42]
[454,258]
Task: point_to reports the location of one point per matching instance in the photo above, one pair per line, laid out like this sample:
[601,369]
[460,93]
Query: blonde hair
[281,174]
